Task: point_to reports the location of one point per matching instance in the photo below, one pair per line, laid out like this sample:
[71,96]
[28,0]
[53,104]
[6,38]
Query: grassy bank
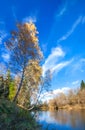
[14,118]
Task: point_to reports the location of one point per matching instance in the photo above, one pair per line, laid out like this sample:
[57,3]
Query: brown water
[62,120]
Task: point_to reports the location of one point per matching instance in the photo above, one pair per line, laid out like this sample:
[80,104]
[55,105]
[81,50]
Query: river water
[62,120]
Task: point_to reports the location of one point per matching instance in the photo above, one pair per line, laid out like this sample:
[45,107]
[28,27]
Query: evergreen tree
[82,85]
[7,86]
[10,86]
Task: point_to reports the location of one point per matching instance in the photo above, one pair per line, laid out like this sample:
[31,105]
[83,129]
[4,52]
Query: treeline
[71,99]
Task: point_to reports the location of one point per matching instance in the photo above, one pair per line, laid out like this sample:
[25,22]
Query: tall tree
[23,45]
[82,85]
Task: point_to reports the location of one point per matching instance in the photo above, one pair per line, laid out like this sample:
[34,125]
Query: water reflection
[62,119]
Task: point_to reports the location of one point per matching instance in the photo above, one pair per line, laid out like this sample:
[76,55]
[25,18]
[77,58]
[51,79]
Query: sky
[61,27]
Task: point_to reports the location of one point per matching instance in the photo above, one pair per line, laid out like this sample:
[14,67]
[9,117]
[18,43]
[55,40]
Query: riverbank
[72,107]
[13,117]
[68,107]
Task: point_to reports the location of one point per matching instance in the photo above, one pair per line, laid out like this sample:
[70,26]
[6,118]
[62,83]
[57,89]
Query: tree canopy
[24,50]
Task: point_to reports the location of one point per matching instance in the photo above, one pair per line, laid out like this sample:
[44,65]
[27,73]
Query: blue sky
[61,26]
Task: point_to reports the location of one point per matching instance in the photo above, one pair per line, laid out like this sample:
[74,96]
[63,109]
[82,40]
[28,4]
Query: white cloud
[61,65]
[30,19]
[56,52]
[62,90]
[6,57]
[51,94]
[75,82]
[52,62]
[76,23]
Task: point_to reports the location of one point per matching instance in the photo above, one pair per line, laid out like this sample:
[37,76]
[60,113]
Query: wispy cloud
[76,23]
[52,59]
[3,69]
[44,47]
[62,11]
[55,53]
[52,62]
[76,69]
[14,13]
[30,19]
[61,65]
[3,35]
[6,57]
[75,82]
[51,94]
[83,20]
[79,65]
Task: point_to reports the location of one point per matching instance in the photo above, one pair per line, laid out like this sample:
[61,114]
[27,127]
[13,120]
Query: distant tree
[61,99]
[24,47]
[53,104]
[82,85]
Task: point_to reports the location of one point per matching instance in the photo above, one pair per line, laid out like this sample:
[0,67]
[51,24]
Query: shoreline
[73,107]
[66,107]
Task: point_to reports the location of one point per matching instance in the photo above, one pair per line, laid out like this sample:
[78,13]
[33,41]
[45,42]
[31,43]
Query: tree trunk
[19,87]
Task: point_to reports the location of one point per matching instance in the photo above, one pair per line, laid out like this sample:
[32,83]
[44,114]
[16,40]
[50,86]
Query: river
[62,120]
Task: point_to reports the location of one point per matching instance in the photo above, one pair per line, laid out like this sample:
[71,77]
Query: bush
[14,118]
